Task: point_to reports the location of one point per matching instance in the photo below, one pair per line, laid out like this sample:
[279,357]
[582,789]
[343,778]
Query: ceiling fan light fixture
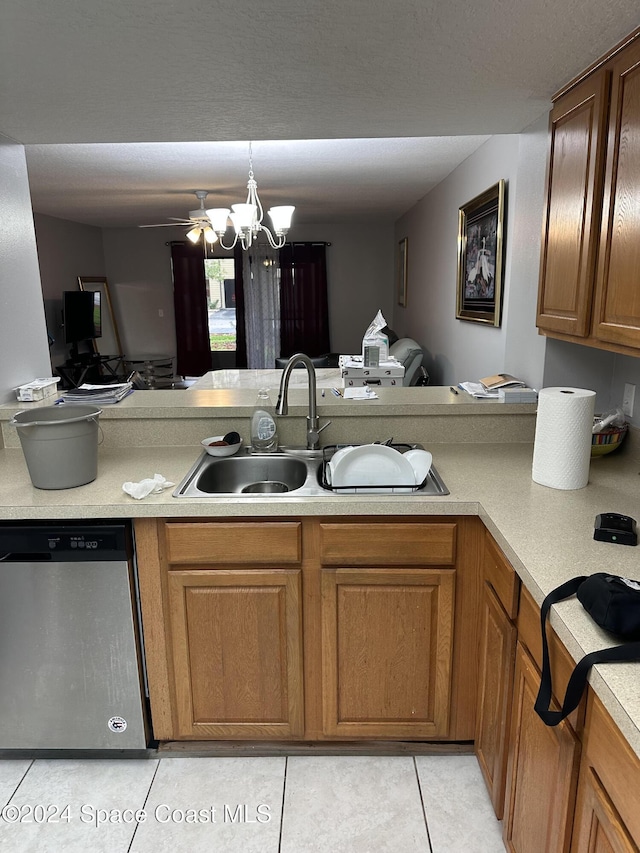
[210,235]
[194,234]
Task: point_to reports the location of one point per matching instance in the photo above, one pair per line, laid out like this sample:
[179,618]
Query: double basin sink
[291,471]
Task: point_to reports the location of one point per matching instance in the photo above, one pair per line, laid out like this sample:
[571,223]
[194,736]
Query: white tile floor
[431,804]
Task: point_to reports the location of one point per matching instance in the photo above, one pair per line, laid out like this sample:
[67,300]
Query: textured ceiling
[210,71]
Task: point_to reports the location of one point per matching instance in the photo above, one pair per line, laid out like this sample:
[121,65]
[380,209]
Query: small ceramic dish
[220,449]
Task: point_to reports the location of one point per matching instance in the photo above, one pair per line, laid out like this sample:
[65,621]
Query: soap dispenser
[264,432]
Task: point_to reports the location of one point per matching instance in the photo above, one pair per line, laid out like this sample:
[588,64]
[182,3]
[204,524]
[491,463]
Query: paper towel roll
[562,444]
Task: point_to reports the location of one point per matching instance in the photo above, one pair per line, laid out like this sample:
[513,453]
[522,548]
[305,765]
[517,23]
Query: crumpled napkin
[147,487]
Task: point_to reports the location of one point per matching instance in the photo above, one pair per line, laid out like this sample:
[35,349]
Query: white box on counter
[354,373]
[38,389]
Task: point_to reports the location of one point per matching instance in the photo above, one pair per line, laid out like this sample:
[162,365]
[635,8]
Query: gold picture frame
[480,257]
[401,272]
[109,342]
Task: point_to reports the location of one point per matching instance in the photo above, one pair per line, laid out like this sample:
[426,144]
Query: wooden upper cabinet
[617,310]
[572,208]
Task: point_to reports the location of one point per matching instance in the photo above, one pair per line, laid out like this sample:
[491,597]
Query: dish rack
[327,454]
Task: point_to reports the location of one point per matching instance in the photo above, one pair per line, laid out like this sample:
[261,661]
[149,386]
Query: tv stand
[90,367]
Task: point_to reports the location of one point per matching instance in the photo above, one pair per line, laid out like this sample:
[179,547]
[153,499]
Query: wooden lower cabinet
[387,642]
[497,643]
[497,658]
[310,628]
[542,771]
[607,818]
[237,653]
[598,827]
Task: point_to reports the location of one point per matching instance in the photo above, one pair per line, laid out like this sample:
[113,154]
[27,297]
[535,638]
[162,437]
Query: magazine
[490,386]
[103,394]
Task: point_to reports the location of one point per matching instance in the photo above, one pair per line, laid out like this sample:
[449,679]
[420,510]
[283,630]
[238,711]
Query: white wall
[24,351]
[524,347]
[459,350]
[66,250]
[138,265]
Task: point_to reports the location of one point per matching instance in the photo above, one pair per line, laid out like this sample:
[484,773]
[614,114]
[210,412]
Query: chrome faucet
[282,408]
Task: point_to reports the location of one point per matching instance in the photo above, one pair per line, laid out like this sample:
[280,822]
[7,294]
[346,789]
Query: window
[220,275]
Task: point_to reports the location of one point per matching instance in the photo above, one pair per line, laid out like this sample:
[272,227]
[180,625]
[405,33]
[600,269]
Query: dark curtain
[191,311]
[241,333]
[304,305]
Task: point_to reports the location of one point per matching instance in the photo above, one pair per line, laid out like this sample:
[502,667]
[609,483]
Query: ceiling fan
[198,221]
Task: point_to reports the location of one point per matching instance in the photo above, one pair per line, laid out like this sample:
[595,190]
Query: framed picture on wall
[480,257]
[401,272]
[109,341]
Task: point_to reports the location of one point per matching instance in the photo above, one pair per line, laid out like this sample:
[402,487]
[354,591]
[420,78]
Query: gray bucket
[60,445]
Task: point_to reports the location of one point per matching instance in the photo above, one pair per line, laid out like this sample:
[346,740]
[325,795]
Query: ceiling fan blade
[165,225]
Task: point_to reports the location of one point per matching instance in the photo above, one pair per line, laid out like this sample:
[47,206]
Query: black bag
[614,604]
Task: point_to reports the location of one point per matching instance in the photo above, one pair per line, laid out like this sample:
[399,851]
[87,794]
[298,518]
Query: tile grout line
[424,810]
[284,791]
[144,805]
[22,778]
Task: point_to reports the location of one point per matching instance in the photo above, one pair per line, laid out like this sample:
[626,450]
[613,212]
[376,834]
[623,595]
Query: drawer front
[400,544]
[500,574]
[226,543]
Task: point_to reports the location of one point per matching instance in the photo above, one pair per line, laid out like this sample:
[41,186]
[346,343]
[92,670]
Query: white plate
[420,462]
[372,465]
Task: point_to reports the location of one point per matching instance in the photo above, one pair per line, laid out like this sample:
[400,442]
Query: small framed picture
[480,257]
[401,274]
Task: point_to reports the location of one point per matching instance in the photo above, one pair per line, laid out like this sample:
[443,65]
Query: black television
[82,317]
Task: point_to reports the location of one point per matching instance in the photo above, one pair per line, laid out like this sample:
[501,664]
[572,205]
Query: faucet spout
[282,406]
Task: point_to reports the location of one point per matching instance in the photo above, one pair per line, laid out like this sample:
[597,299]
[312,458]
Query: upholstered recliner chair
[410,354]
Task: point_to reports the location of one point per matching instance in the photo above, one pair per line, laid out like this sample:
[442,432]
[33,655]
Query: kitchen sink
[247,474]
[292,471]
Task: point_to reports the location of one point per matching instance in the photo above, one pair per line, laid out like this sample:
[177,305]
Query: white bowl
[221,449]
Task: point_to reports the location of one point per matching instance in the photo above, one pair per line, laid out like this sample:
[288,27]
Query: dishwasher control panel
[68,542]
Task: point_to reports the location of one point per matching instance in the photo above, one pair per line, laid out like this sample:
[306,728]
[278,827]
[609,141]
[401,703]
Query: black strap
[578,679]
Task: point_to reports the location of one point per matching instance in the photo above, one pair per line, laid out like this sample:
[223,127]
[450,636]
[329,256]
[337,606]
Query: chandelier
[246,219]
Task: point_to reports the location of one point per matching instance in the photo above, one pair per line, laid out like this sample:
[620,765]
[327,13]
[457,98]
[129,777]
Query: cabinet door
[497,656]
[598,827]
[387,647]
[617,317]
[572,209]
[237,653]
[541,773]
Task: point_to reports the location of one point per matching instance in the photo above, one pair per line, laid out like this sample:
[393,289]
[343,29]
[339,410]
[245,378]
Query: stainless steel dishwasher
[70,649]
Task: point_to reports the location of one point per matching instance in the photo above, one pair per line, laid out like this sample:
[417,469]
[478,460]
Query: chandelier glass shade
[247,219]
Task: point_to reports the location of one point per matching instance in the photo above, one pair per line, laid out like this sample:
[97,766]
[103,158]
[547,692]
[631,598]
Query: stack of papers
[103,394]
[491,385]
